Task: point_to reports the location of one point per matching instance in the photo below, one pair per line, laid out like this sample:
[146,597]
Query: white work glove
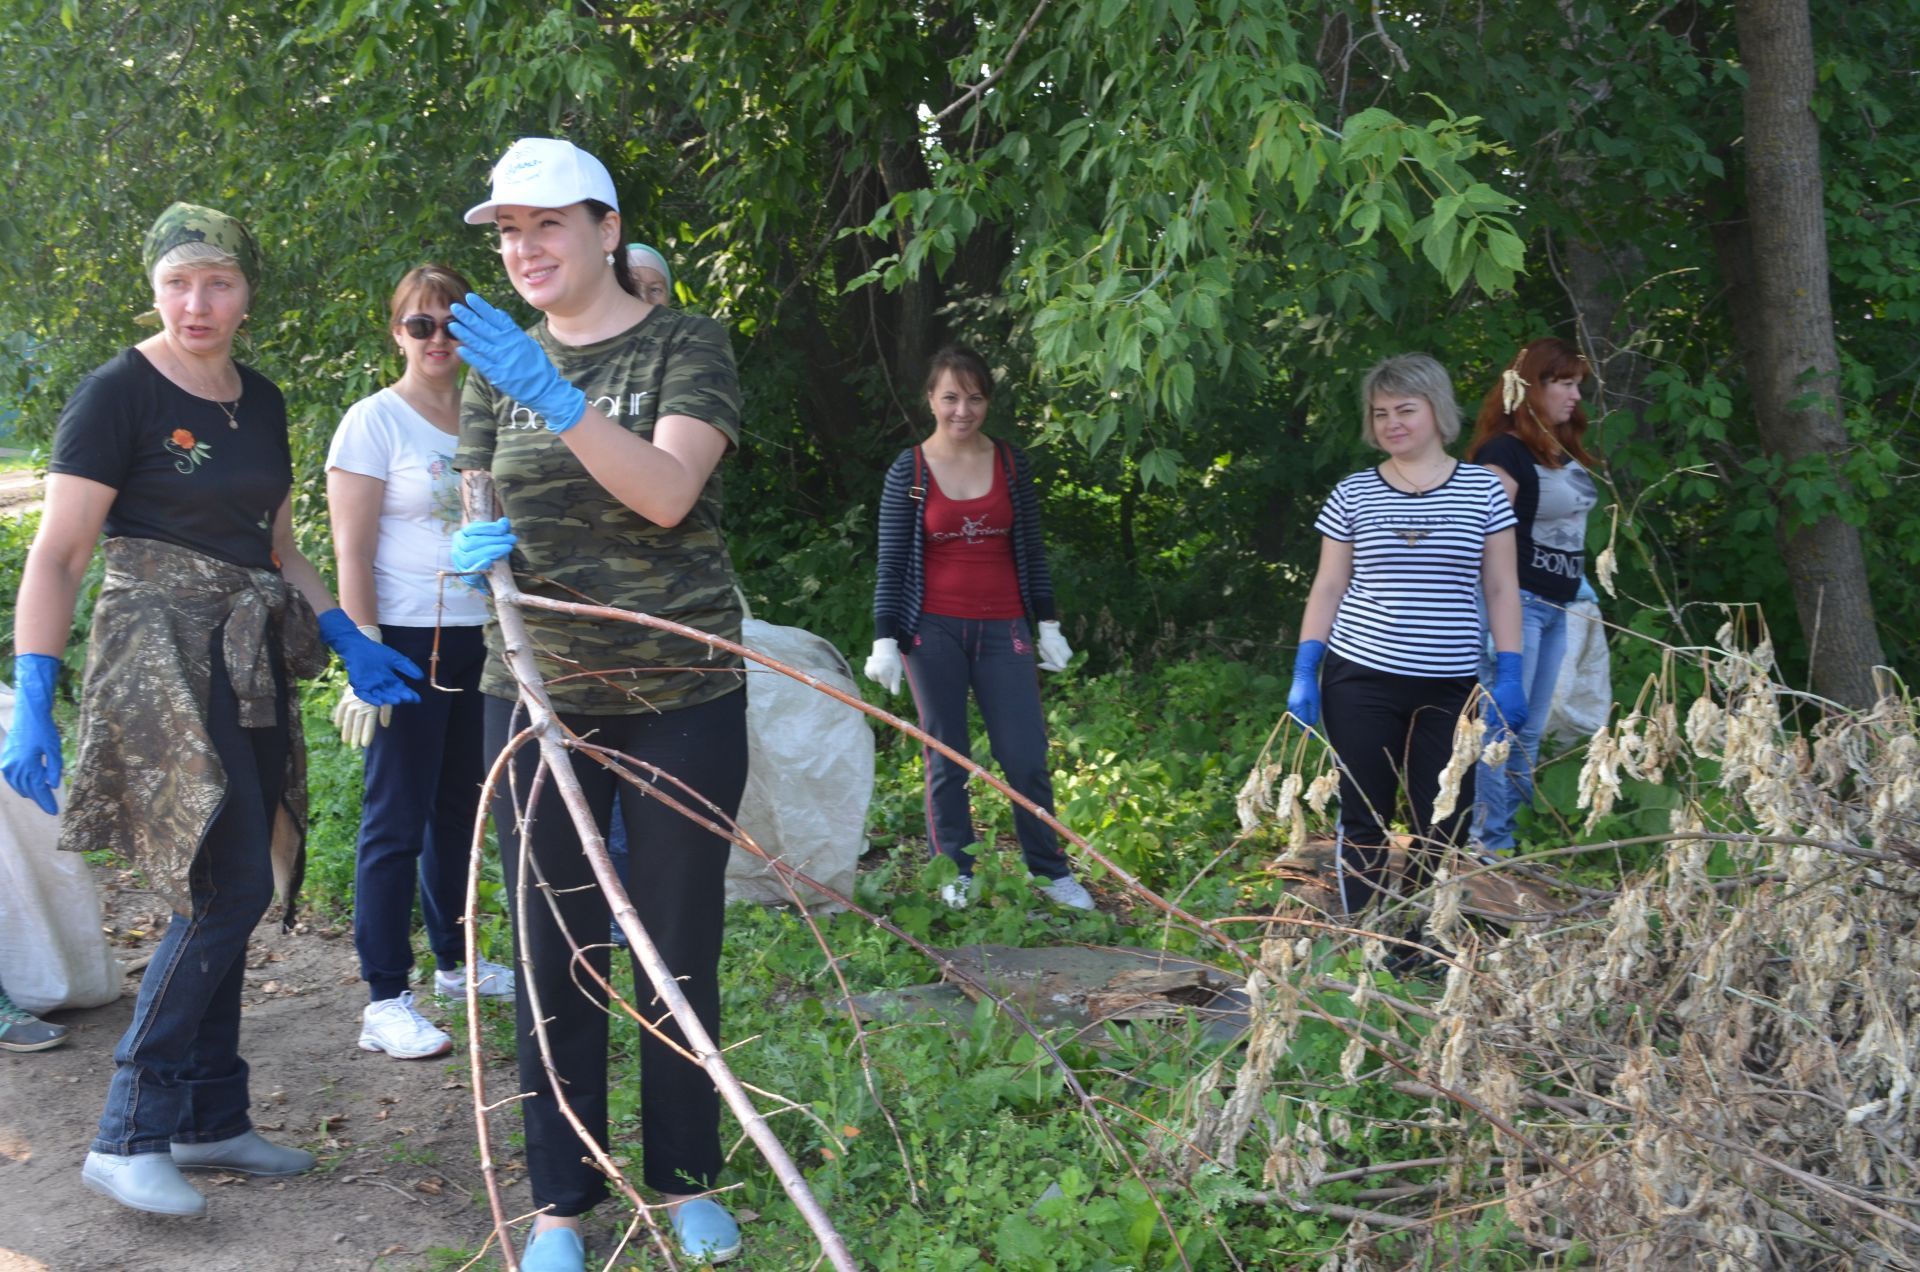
[1055,653]
[883,664]
[355,719]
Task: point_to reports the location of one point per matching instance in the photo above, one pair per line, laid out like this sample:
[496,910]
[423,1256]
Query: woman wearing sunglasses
[394,499]
[603,426]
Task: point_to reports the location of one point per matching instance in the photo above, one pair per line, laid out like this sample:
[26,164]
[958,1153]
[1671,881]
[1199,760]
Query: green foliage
[16,536]
[1180,230]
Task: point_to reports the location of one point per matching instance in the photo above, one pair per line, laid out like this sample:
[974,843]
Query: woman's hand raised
[514,363]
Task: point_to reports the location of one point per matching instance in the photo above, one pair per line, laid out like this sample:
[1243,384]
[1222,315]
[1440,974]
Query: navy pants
[677,878]
[420,793]
[178,1076]
[1391,734]
[995,659]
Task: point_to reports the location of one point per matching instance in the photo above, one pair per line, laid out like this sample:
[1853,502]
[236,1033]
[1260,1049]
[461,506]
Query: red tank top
[969,552]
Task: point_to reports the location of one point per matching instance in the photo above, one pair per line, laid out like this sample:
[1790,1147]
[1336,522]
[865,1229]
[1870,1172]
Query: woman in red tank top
[961,568]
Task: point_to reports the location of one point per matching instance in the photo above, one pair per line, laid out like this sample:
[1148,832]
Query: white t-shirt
[381,436]
[1412,608]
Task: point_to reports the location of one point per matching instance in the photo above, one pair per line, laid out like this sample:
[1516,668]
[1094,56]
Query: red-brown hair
[1546,359]
[423,284]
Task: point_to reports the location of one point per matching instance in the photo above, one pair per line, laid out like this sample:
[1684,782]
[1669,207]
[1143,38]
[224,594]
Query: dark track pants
[1391,733]
[420,791]
[676,877]
[995,658]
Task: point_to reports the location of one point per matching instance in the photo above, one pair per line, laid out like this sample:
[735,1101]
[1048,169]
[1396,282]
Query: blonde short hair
[196,256]
[1410,375]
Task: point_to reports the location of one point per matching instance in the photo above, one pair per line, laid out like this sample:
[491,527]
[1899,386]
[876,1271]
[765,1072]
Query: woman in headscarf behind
[191,762]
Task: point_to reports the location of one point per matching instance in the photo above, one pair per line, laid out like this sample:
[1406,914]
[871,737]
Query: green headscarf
[191,223]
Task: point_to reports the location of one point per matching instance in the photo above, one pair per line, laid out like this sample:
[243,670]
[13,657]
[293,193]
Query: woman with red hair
[1530,432]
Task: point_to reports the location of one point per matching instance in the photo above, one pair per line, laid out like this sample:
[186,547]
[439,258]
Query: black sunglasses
[422,326]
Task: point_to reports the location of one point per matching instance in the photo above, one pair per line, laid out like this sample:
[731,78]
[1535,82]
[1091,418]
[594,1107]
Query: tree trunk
[1794,365]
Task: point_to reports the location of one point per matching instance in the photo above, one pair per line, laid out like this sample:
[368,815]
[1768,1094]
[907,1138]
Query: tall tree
[1793,362]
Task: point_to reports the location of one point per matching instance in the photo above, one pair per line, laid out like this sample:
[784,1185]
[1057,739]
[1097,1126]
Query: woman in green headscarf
[191,763]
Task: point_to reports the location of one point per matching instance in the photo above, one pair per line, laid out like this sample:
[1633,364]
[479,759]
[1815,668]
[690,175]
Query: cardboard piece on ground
[1077,987]
[1499,893]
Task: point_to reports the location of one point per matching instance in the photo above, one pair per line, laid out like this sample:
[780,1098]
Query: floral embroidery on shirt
[192,453]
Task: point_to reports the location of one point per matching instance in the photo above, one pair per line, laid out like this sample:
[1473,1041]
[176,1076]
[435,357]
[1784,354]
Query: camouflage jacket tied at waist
[148,782]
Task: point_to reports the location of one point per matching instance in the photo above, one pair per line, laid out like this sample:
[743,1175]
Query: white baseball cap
[545,172]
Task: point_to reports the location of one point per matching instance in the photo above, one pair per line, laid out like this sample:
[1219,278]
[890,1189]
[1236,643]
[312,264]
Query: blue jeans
[995,658]
[1543,625]
[178,1075]
[420,792]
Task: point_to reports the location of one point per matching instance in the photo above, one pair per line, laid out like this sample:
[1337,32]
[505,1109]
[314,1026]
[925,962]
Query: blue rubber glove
[478,544]
[1303,699]
[515,363]
[31,757]
[1509,695]
[373,670]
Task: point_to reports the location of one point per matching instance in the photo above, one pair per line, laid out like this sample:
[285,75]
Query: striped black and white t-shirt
[1412,607]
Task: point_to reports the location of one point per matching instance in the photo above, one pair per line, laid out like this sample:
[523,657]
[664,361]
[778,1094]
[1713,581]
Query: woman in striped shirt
[1405,547]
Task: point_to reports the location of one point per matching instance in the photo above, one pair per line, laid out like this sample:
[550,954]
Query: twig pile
[1712,1064]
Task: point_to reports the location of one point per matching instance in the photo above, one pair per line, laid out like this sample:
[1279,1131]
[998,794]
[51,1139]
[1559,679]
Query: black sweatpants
[1391,733]
[676,877]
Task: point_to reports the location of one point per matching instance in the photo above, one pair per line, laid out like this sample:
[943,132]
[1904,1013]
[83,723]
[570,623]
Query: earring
[609,260]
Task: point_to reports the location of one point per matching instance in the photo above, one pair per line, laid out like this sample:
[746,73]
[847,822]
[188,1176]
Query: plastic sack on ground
[809,770]
[1583,696]
[53,954]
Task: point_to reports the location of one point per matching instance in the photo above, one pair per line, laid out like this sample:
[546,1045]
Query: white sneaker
[1067,891]
[958,894]
[393,1025]
[495,981]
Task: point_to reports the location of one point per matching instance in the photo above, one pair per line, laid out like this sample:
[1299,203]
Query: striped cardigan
[900,586]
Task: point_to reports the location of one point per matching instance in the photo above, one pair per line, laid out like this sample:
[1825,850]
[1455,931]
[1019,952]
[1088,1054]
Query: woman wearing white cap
[603,426]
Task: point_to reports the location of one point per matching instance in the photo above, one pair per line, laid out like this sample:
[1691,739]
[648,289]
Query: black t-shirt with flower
[185,474]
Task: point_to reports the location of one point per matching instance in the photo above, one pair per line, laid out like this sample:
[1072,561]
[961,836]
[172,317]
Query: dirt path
[20,491]
[398,1186]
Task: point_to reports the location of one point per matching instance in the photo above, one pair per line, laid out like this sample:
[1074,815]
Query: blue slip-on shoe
[705,1229]
[554,1250]
[246,1153]
[143,1181]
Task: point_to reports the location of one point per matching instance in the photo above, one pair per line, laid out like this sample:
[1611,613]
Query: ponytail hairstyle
[1514,405]
[622,271]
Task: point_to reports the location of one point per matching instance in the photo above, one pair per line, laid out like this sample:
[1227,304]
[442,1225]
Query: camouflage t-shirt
[578,543]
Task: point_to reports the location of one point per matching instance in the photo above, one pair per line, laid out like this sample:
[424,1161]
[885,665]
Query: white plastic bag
[809,770]
[53,954]
[1583,696]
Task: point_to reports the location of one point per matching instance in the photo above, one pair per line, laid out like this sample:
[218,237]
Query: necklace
[1418,489]
[231,412]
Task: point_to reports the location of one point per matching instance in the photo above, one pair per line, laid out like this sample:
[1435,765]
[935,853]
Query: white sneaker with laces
[959,894]
[394,1026]
[495,981]
[1067,891]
